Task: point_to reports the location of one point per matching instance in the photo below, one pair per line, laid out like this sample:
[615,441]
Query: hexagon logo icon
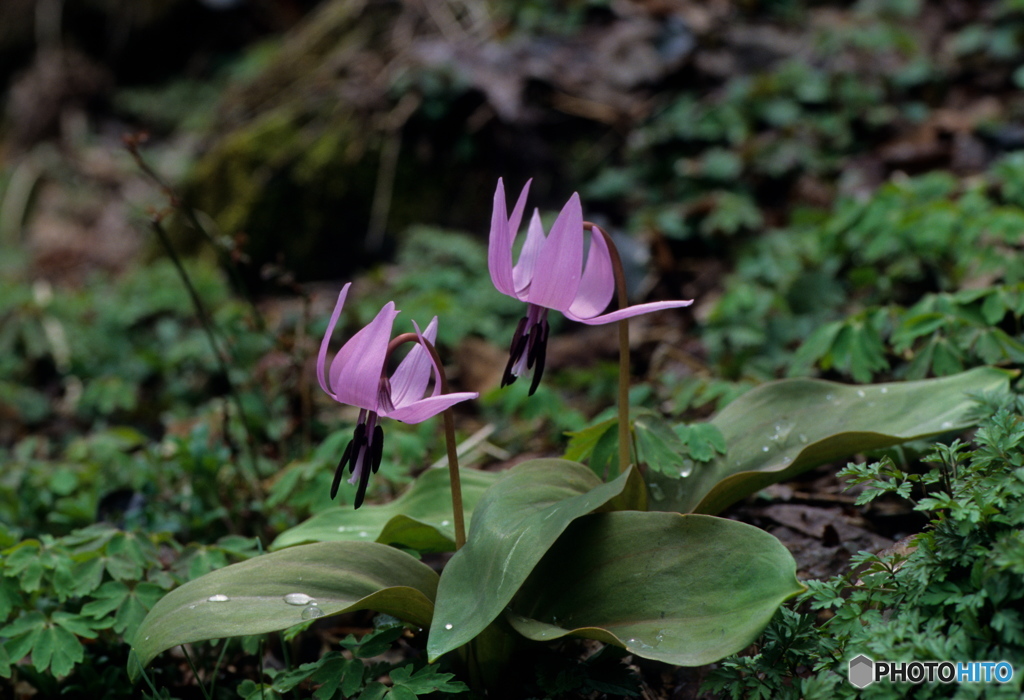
[862,671]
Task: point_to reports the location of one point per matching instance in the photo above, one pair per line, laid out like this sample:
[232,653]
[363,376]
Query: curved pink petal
[598,283]
[321,358]
[499,245]
[503,232]
[356,369]
[556,277]
[419,411]
[522,273]
[629,312]
[410,380]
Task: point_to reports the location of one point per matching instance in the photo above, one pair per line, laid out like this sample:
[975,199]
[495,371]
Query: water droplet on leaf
[448,626]
[311,612]
[298,599]
[656,492]
[218,598]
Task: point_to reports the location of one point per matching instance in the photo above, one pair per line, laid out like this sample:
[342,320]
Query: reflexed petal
[419,411]
[629,312]
[522,273]
[598,283]
[321,358]
[560,262]
[517,213]
[412,376]
[356,369]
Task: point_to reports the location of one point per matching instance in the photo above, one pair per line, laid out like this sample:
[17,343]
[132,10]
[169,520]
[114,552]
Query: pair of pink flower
[551,274]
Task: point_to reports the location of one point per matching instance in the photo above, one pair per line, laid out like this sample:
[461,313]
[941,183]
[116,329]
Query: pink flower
[551,274]
[357,377]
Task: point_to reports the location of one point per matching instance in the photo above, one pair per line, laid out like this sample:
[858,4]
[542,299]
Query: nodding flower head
[357,376]
[552,274]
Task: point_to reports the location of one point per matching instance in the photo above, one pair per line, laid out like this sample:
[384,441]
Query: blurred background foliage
[838,185]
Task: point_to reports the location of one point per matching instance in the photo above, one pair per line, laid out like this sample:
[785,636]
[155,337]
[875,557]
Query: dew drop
[885,390]
[828,397]
[656,492]
[298,599]
[860,393]
[448,626]
[364,533]
[947,424]
[218,598]
[803,438]
[445,523]
[765,448]
[192,607]
[687,469]
[311,612]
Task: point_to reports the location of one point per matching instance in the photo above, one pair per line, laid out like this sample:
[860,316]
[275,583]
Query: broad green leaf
[78,625]
[683,589]
[515,524]
[26,560]
[131,605]
[374,691]
[425,681]
[5,663]
[22,634]
[781,429]
[657,445]
[250,690]
[249,597]
[605,455]
[10,595]
[87,574]
[582,442]
[58,650]
[704,440]
[421,518]
[126,556]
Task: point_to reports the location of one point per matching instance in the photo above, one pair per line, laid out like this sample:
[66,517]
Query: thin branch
[208,328]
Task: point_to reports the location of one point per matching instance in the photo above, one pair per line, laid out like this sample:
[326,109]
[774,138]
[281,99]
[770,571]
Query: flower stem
[623,299]
[458,512]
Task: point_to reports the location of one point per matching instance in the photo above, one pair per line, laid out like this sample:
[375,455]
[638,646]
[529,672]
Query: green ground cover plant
[950,592]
